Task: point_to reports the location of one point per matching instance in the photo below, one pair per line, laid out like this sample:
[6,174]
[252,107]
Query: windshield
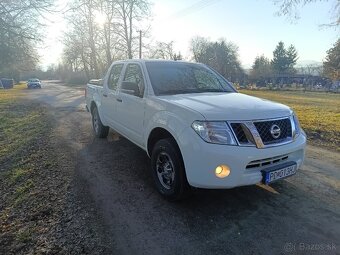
[169,78]
[33,80]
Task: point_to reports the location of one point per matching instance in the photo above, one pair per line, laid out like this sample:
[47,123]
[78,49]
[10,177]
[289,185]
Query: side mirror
[130,88]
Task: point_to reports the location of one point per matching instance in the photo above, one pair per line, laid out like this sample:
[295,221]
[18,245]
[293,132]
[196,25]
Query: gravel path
[111,205]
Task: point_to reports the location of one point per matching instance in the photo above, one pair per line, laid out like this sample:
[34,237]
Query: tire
[168,170]
[100,130]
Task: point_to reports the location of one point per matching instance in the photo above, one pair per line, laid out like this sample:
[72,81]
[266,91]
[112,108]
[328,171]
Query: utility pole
[140,44]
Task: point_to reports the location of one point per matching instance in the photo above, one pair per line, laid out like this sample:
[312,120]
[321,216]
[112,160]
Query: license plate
[280,172]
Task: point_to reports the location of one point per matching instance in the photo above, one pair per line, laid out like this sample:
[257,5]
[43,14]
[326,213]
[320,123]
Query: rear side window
[114,76]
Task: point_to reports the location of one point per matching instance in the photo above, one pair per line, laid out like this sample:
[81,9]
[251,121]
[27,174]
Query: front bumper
[33,86]
[201,159]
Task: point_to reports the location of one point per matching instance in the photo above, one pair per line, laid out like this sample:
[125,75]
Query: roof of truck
[154,60]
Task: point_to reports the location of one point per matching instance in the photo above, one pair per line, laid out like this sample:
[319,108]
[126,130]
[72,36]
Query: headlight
[296,125]
[214,132]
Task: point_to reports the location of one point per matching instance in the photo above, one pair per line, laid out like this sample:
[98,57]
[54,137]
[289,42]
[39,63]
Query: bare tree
[83,39]
[290,8]
[107,33]
[19,33]
[199,46]
[91,46]
[162,50]
[220,55]
[127,13]
[311,69]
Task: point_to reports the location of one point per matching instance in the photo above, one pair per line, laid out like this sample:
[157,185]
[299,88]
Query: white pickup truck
[196,128]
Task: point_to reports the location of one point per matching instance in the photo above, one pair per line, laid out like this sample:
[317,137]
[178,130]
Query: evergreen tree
[332,64]
[279,58]
[284,59]
[261,70]
[292,57]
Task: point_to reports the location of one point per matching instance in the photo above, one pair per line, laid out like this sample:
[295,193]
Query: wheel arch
[92,106]
[157,134]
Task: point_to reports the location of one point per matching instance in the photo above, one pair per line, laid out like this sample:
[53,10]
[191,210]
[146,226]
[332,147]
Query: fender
[168,121]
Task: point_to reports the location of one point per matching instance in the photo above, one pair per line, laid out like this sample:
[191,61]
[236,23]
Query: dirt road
[113,183]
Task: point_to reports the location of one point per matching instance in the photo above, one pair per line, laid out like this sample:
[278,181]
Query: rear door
[130,108]
[109,99]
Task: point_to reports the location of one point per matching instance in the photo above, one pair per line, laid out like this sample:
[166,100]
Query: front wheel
[168,170]
[100,130]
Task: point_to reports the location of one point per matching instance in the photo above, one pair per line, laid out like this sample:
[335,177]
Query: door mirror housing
[131,88]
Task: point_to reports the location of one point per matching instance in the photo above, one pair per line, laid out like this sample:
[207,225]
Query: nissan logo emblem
[275,131]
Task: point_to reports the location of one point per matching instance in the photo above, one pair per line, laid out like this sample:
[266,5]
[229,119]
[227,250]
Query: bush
[76,78]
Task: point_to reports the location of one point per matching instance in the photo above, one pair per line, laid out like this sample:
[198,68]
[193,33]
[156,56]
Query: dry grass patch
[319,113]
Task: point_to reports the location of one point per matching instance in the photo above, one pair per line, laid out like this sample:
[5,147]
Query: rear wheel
[100,130]
[168,170]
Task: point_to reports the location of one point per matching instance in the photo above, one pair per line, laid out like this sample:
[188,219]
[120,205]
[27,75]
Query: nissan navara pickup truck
[196,128]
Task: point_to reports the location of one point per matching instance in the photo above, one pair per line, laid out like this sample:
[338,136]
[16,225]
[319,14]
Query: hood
[229,106]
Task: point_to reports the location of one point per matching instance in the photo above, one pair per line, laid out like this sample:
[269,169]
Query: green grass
[22,192]
[319,113]
[24,235]
[18,174]
[24,159]
[22,124]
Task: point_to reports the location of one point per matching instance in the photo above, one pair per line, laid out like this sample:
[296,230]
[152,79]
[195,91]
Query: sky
[253,25]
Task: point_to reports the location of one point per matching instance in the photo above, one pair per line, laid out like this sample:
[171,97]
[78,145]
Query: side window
[133,79]
[114,76]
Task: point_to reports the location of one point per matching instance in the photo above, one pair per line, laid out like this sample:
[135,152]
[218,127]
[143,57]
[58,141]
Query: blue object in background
[7,83]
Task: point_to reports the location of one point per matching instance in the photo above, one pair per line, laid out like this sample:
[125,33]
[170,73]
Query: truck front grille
[264,129]
[239,133]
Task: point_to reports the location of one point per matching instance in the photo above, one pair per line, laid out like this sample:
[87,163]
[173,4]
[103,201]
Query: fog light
[222,171]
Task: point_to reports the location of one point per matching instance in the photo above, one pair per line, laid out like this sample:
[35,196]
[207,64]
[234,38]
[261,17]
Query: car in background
[33,84]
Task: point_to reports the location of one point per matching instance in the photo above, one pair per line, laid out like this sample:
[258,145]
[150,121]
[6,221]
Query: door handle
[119,100]
[105,95]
